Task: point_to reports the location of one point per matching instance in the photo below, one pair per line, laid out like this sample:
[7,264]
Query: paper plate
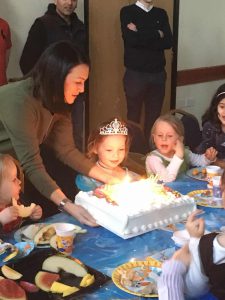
[29,232]
[205,198]
[23,248]
[142,275]
[197,173]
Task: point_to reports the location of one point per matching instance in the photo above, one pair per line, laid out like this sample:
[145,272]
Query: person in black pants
[146,33]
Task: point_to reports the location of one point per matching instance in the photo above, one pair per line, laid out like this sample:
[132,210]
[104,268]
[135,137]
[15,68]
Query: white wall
[20,14]
[201,44]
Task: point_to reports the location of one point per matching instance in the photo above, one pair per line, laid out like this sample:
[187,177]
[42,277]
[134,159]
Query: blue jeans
[144,88]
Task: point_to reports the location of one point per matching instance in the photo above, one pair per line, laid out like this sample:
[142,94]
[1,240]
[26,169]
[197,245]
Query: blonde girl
[170,157]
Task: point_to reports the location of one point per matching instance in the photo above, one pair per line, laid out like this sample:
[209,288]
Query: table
[104,251]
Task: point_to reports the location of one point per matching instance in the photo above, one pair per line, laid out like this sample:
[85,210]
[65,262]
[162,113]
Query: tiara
[220,94]
[113,128]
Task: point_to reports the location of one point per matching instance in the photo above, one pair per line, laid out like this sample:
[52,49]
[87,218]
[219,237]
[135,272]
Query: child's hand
[179,148]
[8,215]
[36,213]
[195,227]
[183,255]
[211,154]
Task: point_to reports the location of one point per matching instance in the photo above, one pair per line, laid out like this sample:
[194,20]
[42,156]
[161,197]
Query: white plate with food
[197,173]
[138,278]
[40,233]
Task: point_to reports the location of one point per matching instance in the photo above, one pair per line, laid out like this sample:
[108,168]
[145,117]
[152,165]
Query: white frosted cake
[131,209]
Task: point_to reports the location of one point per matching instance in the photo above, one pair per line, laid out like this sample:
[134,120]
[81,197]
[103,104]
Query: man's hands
[132,27]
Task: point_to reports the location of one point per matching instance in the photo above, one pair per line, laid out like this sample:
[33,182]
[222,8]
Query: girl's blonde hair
[173,121]
[95,138]
[6,163]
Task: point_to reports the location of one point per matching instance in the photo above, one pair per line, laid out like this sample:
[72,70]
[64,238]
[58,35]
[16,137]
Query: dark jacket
[47,30]
[215,273]
[144,48]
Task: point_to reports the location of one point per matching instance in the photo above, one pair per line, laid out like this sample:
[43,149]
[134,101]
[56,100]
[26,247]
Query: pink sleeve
[154,164]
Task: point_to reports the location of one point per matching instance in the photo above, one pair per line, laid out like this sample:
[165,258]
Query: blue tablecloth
[104,251]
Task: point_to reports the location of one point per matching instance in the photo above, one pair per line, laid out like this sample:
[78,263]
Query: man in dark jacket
[60,22]
[146,33]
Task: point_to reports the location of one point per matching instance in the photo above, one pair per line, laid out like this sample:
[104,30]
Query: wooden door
[106,95]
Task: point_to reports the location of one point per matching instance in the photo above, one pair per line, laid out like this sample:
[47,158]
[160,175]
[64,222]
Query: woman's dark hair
[211,113]
[50,72]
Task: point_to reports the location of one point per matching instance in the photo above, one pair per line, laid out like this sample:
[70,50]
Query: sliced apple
[44,280]
[10,273]
[56,263]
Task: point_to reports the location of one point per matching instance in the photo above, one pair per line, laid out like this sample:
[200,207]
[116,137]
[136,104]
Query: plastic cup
[211,172]
[65,234]
[217,192]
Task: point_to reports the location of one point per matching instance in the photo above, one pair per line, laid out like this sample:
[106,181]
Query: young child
[170,156]
[196,271]
[10,187]
[213,121]
[108,146]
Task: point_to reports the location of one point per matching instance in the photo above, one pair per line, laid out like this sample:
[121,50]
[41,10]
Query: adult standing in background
[146,33]
[5,45]
[60,22]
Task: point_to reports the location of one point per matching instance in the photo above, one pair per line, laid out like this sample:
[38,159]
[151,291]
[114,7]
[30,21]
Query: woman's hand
[81,214]
[195,226]
[9,214]
[36,213]
[211,154]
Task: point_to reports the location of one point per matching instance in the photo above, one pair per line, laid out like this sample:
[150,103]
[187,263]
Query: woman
[35,111]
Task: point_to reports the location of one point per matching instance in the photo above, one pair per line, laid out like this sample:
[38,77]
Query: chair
[192,131]
[138,140]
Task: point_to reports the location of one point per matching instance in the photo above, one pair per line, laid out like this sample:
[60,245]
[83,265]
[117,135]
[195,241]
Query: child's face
[165,138]
[221,111]
[111,151]
[10,187]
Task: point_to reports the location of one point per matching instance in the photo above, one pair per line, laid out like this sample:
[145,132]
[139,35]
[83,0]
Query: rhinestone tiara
[113,128]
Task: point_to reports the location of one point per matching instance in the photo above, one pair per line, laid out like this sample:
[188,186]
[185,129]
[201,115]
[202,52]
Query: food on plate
[43,236]
[44,280]
[204,171]
[195,172]
[10,290]
[10,273]
[61,288]
[138,278]
[24,211]
[56,263]
[28,286]
[87,280]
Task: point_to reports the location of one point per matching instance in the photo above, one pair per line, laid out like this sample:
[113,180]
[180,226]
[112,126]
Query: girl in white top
[170,156]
